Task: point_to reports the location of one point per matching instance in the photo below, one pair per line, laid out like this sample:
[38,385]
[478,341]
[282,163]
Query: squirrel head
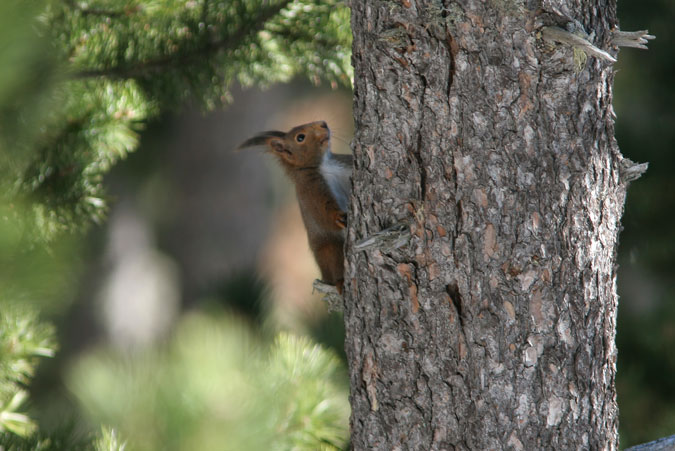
[301,147]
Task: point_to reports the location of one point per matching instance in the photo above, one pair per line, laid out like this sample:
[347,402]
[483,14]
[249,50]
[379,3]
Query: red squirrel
[322,185]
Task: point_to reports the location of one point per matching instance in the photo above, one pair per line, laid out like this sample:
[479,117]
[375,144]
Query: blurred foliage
[31,275]
[66,439]
[33,280]
[80,79]
[29,278]
[645,128]
[645,382]
[216,386]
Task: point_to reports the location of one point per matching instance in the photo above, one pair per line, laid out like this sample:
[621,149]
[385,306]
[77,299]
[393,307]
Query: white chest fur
[337,175]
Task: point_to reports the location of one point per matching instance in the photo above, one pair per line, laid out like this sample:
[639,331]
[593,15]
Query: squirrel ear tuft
[259,140]
[262,139]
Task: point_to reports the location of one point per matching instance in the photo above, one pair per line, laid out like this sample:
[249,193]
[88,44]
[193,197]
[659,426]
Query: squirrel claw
[341,220]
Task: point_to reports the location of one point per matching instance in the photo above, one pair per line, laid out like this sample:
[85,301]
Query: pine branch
[143,68]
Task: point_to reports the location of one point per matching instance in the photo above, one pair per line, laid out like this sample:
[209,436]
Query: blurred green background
[644,95]
[162,298]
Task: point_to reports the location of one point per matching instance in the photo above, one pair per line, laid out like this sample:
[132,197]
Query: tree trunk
[494,327]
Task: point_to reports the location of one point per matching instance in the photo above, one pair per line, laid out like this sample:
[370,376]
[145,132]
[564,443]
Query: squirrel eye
[300,137]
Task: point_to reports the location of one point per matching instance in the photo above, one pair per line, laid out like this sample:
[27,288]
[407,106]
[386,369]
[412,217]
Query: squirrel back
[322,185]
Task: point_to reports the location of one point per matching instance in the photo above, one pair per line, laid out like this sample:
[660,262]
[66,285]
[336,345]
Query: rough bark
[494,328]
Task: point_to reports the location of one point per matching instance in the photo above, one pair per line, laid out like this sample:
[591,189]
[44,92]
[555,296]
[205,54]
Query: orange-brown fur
[300,152]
